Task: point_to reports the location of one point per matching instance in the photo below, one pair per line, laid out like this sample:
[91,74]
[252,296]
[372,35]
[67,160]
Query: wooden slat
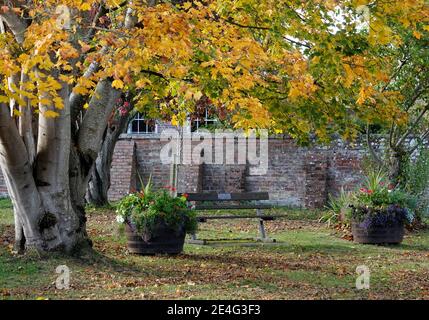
[215,196]
[231,207]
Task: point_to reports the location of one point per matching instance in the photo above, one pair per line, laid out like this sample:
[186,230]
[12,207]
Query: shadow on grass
[407,247]
[87,258]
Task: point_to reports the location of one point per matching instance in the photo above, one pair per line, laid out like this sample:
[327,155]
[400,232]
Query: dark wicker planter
[162,240]
[378,234]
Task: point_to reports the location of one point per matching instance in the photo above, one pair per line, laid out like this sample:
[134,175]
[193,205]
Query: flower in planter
[120,219]
[379,203]
[145,210]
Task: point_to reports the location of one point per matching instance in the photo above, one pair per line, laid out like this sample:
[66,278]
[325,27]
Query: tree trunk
[398,160]
[47,159]
[44,216]
[99,182]
[48,194]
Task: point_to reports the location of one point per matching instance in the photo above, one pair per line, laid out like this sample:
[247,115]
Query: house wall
[296,176]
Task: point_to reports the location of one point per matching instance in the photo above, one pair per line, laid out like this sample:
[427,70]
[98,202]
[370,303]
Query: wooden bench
[210,201]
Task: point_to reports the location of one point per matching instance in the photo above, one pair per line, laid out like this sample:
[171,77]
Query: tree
[62,70]
[410,79]
[99,183]
[369,65]
[64,64]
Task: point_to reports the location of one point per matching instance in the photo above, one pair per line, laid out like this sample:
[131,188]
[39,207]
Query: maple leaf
[51,114]
[118,84]
[417,34]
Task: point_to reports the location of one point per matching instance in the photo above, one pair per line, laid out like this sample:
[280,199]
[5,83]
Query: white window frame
[139,117]
[204,122]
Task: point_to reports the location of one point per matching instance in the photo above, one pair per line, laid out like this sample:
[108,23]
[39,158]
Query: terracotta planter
[378,234]
[162,239]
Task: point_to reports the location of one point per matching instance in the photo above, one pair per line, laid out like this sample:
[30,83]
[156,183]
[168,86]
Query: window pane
[134,126]
[150,125]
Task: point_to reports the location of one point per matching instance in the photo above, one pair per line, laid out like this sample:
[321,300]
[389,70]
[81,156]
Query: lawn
[310,261]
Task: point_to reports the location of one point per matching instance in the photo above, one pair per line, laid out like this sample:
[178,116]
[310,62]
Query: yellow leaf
[86,106]
[67,79]
[198,95]
[59,103]
[350,76]
[142,83]
[187,5]
[80,90]
[85,7]
[67,67]
[118,84]
[174,121]
[16,113]
[417,34]
[51,114]
[207,64]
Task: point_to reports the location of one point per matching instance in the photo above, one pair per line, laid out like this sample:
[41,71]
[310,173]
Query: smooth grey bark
[19,180]
[48,196]
[99,183]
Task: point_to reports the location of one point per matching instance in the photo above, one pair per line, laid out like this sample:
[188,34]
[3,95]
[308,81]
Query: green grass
[309,262]
[6,212]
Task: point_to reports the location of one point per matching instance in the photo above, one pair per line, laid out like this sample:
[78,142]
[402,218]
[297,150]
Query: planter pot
[162,239]
[378,234]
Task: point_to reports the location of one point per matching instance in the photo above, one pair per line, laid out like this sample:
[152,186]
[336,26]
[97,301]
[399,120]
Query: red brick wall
[149,163]
[123,170]
[316,177]
[296,176]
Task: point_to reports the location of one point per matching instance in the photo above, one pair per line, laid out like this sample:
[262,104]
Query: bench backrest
[215,196]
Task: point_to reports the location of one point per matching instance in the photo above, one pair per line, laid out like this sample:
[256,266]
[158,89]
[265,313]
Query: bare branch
[421,139]
[395,74]
[231,21]
[2,29]
[392,134]
[412,126]
[302,44]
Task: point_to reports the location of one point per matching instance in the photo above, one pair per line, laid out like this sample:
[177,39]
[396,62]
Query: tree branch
[230,21]
[298,43]
[421,138]
[94,122]
[412,126]
[371,148]
[11,145]
[25,125]
[75,99]
[15,24]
